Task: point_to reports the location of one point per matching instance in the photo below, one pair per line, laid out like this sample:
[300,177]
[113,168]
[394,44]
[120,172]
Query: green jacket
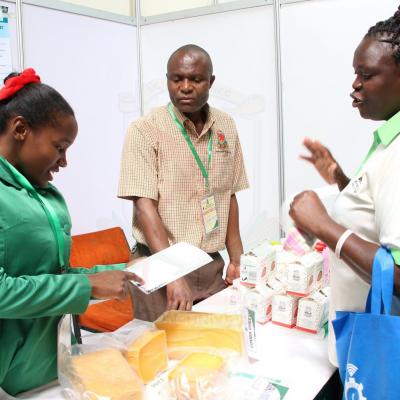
[33,293]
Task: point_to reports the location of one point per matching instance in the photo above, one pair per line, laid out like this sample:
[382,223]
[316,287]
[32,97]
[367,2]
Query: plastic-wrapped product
[148,354]
[187,331]
[103,374]
[199,376]
[98,368]
[143,346]
[298,242]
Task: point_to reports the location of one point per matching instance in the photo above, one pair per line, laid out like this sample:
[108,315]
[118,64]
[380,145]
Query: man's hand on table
[179,295]
[232,272]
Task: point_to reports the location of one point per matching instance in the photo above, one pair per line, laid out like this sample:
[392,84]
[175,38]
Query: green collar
[7,177]
[389,130]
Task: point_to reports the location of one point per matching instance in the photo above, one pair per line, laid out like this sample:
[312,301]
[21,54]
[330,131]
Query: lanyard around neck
[204,171]
[47,208]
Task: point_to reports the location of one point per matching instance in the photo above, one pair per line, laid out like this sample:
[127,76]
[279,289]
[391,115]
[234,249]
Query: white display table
[296,359]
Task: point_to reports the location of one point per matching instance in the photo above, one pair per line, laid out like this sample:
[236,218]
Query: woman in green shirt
[37,126]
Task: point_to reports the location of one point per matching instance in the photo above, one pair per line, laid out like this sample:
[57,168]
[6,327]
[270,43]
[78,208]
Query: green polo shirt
[33,294]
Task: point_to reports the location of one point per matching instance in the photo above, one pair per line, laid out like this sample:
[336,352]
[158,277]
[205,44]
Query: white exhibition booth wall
[318,42]
[93,63]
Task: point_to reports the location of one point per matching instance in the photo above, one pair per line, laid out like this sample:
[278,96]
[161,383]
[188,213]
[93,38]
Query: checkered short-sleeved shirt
[158,164]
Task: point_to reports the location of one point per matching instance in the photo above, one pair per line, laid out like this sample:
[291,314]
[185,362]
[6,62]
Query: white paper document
[168,265]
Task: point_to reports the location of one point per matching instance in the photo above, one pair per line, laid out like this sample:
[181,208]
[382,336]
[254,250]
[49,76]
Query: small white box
[282,259]
[300,279]
[317,260]
[326,267]
[284,310]
[257,265]
[237,294]
[305,276]
[259,299]
[313,311]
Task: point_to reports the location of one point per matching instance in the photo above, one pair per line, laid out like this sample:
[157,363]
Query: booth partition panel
[92,62]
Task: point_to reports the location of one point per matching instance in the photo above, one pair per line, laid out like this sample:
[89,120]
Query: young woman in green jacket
[37,126]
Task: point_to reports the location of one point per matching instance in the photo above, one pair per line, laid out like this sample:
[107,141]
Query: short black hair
[388,31]
[193,48]
[38,103]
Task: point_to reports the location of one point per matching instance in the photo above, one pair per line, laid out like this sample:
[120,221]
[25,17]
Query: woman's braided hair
[388,31]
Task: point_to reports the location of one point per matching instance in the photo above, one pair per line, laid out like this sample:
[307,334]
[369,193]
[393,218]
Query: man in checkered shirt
[160,174]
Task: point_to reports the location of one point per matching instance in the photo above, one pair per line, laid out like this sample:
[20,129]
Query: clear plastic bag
[98,370]
[298,242]
[199,376]
[99,374]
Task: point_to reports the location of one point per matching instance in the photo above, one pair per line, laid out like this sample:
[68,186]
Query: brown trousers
[204,282]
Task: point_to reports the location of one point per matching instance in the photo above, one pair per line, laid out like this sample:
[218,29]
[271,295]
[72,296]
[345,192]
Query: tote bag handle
[382,282]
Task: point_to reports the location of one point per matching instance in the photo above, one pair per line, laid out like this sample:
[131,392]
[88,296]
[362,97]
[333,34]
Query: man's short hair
[193,48]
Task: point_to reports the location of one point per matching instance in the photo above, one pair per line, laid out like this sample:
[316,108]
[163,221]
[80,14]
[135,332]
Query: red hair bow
[16,83]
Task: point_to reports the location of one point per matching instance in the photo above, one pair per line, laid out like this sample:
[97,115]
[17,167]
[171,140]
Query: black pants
[333,389]
[204,282]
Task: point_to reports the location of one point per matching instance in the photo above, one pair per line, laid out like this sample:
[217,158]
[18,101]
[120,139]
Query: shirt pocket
[222,170]
[12,221]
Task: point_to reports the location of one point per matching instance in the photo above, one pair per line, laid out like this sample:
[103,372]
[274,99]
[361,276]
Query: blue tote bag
[368,343]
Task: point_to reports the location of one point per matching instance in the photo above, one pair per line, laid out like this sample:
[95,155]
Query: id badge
[209,213]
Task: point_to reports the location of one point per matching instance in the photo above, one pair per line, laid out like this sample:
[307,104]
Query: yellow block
[187,330]
[106,373]
[196,376]
[148,354]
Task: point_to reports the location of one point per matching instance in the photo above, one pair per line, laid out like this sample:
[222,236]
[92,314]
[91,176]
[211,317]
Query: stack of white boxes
[286,287]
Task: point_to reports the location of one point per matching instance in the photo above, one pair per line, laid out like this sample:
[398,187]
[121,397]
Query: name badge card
[209,213]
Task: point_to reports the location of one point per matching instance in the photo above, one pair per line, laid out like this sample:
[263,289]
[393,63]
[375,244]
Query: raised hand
[308,213]
[324,163]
